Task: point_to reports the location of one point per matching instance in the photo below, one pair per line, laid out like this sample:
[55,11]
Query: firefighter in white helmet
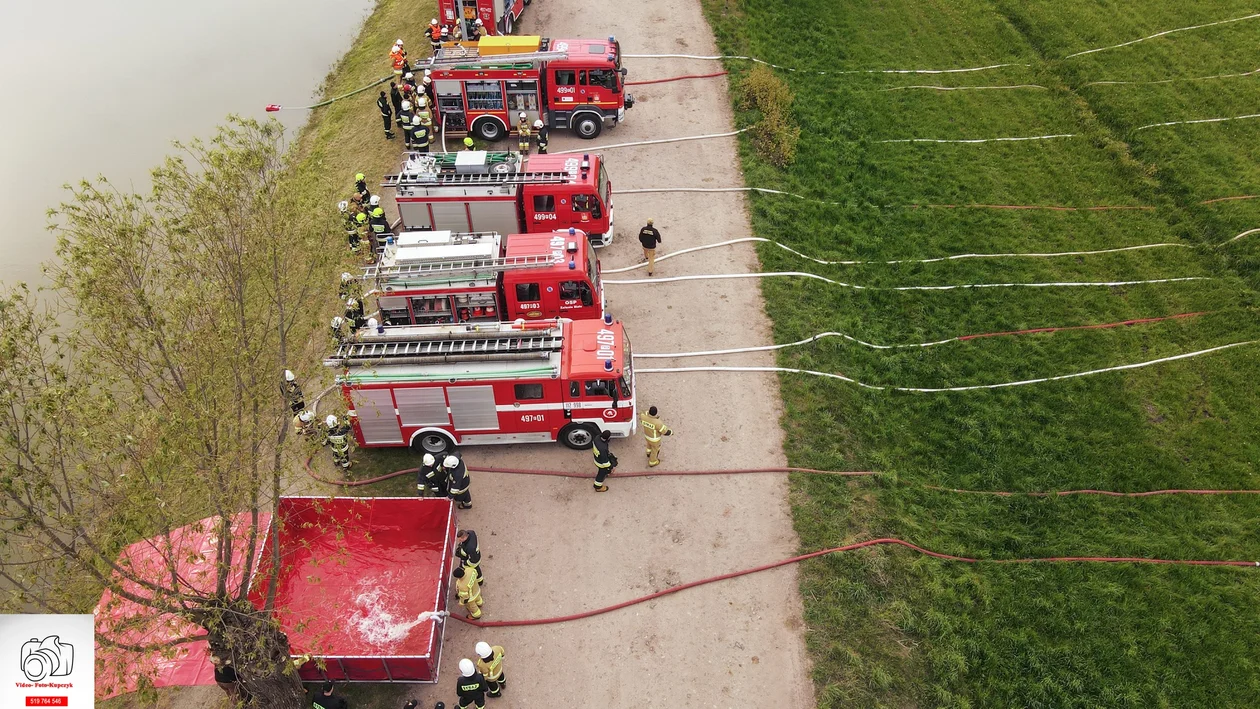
[354,313]
[292,392]
[427,465]
[522,132]
[338,328]
[339,441]
[434,33]
[347,287]
[476,31]
[304,424]
[347,218]
[490,665]
[540,130]
[457,475]
[471,686]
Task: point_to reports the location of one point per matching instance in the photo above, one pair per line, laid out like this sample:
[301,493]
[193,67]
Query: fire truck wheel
[588,126]
[430,442]
[578,436]
[489,130]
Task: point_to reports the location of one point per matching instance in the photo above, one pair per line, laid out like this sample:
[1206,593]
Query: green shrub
[775,135]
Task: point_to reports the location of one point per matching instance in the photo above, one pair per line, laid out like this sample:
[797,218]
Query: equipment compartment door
[450,99]
[377,420]
[473,408]
[522,96]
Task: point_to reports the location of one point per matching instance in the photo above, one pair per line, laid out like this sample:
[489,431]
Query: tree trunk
[260,652]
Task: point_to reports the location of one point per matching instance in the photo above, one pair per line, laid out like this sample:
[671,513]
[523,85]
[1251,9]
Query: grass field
[887,628]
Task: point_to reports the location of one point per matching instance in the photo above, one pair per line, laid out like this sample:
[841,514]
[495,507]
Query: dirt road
[556,547]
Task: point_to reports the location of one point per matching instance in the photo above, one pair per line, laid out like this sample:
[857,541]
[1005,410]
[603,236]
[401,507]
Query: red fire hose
[676,78]
[848,547]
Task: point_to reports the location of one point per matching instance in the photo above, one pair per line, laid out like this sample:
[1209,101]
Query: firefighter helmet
[480,23]
[337,322]
[398,43]
[521,115]
[538,124]
[372,324]
[450,461]
[469,142]
[466,667]
[359,177]
[351,302]
[288,375]
[426,78]
[428,459]
[346,277]
[331,421]
[406,105]
[422,101]
[306,417]
[343,206]
[361,218]
[416,121]
[433,22]
[376,200]
[409,76]
[483,650]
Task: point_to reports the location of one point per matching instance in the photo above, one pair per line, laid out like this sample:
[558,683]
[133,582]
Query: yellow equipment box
[508,44]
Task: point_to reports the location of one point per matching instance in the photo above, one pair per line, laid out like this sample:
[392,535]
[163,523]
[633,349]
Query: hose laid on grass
[272,108]
[961,286]
[1104,493]
[650,142]
[963,338]
[719,57]
[1164,33]
[978,140]
[1201,120]
[957,257]
[845,548]
[974,387]
[676,78]
[764,190]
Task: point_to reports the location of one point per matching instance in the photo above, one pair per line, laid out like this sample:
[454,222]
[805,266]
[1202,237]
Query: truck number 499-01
[533,418]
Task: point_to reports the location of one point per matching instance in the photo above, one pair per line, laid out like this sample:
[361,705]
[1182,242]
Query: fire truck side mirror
[624,72]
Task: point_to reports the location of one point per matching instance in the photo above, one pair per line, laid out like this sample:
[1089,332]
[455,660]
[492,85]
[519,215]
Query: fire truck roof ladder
[478,178]
[452,268]
[508,346]
[459,56]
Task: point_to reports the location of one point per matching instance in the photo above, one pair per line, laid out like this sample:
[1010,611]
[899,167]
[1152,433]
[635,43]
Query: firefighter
[380,226]
[435,477]
[360,186]
[469,144]
[347,217]
[605,461]
[395,97]
[471,686]
[649,238]
[354,313]
[292,392]
[338,328]
[460,483]
[446,33]
[474,35]
[304,424]
[490,665]
[427,465]
[387,114]
[347,287]
[468,591]
[426,87]
[434,33]
[339,441]
[356,204]
[405,121]
[327,700]
[653,429]
[540,130]
[467,549]
[420,137]
[360,231]
[422,110]
[522,133]
[398,56]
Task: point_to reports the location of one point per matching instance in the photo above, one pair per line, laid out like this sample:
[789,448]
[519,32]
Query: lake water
[102,88]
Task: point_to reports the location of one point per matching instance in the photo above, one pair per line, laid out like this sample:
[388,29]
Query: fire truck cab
[482,88]
[507,193]
[431,387]
[497,16]
[436,277]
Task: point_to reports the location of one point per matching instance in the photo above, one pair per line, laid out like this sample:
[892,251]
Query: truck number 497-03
[533,418]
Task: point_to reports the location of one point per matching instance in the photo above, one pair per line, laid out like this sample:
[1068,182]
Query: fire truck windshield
[603,184]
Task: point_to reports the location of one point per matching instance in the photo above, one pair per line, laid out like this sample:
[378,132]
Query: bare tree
[161,405]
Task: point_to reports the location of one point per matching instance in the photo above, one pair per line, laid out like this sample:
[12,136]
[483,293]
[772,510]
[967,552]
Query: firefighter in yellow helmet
[360,231]
[653,429]
[469,144]
[522,133]
[490,665]
[468,590]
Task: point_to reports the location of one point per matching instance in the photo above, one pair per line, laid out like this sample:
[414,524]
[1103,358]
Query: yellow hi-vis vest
[653,427]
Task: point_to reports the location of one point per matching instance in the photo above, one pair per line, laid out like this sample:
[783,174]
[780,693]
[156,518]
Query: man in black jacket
[649,238]
[605,461]
[387,114]
[471,686]
[327,700]
[466,548]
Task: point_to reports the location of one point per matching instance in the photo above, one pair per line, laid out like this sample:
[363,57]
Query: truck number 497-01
[533,418]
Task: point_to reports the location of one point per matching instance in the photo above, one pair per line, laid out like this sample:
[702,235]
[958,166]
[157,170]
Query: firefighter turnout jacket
[471,690]
[653,427]
[469,551]
[468,586]
[603,457]
[492,668]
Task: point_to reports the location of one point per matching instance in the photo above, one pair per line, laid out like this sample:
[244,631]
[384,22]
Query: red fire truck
[483,87]
[436,277]
[431,387]
[497,16]
[506,193]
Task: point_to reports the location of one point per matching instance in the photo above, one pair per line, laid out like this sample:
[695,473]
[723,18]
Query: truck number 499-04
[533,418]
